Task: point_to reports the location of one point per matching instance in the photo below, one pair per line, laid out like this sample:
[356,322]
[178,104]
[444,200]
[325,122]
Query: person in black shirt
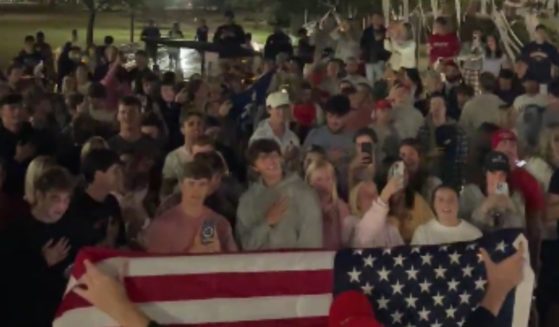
[305,51]
[17,146]
[140,70]
[42,247]
[170,110]
[149,33]
[540,55]
[130,138]
[202,31]
[372,45]
[94,204]
[230,37]
[28,56]
[277,43]
[508,86]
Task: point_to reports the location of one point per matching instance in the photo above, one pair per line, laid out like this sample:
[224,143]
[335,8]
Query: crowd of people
[323,144]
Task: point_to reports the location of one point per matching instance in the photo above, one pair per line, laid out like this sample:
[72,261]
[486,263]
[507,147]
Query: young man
[332,137]
[94,204]
[29,57]
[279,211]
[43,245]
[531,96]
[372,45]
[130,138]
[191,227]
[407,118]
[277,43]
[229,36]
[17,144]
[151,32]
[443,44]
[352,72]
[483,108]
[192,127]
[140,70]
[170,111]
[540,55]
[202,31]
[277,126]
[522,181]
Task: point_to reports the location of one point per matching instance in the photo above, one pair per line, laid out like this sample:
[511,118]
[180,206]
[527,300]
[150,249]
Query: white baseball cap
[278,99]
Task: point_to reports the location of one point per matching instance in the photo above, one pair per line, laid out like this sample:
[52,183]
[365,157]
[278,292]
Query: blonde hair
[94,143]
[35,170]
[354,200]
[545,150]
[323,164]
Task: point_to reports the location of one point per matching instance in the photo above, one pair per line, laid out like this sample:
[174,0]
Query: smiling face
[445,203]
[268,165]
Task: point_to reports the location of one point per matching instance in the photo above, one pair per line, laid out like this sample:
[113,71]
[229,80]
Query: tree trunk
[132,23]
[90,27]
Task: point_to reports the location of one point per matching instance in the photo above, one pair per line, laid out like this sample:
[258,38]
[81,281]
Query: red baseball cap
[383,105]
[352,309]
[500,136]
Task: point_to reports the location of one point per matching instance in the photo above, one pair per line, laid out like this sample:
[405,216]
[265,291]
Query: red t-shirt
[445,46]
[305,114]
[522,181]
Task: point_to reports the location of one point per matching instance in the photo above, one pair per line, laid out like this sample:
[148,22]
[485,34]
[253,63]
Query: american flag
[249,289]
[432,286]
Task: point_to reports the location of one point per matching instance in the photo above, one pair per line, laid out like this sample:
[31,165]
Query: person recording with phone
[363,165]
[395,214]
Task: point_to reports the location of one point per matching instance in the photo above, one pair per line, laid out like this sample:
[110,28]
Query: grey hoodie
[300,227]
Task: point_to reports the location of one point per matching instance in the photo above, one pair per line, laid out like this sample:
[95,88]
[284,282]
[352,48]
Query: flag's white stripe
[523,293]
[211,311]
[237,263]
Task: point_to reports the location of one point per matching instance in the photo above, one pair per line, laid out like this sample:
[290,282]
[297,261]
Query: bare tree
[94,7]
[133,7]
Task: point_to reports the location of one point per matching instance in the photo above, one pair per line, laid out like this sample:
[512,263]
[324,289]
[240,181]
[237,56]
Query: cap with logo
[278,99]
[496,161]
[500,136]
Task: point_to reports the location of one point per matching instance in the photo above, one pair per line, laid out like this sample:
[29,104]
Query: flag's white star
[426,259]
[354,275]
[453,285]
[454,258]
[443,248]
[399,260]
[501,246]
[397,288]
[425,286]
[412,273]
[383,274]
[424,314]
[358,252]
[387,251]
[383,303]
[368,261]
[436,324]
[367,289]
[397,317]
[480,284]
[465,298]
[439,272]
[471,247]
[450,312]
[415,250]
[438,299]
[467,271]
[410,301]
[461,323]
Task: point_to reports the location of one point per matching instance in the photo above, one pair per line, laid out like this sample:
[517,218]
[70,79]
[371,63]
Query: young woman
[361,198]
[445,227]
[546,160]
[337,223]
[400,206]
[399,41]
[494,57]
[374,230]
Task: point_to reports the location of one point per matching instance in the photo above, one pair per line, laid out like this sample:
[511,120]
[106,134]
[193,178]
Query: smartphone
[397,169]
[502,188]
[368,150]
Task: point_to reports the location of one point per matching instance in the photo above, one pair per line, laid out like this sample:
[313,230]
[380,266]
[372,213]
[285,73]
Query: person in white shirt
[446,227]
[192,127]
[276,127]
[399,41]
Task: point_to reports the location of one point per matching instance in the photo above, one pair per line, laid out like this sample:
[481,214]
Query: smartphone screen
[368,151]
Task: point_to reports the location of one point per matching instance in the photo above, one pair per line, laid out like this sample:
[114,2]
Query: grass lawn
[58,24]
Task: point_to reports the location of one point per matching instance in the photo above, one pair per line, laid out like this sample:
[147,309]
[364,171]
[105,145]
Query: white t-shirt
[524,100]
[174,163]
[433,233]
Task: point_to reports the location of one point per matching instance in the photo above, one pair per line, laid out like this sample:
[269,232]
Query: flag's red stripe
[221,285]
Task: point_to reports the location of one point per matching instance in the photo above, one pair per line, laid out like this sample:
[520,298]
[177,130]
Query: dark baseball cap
[496,161]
